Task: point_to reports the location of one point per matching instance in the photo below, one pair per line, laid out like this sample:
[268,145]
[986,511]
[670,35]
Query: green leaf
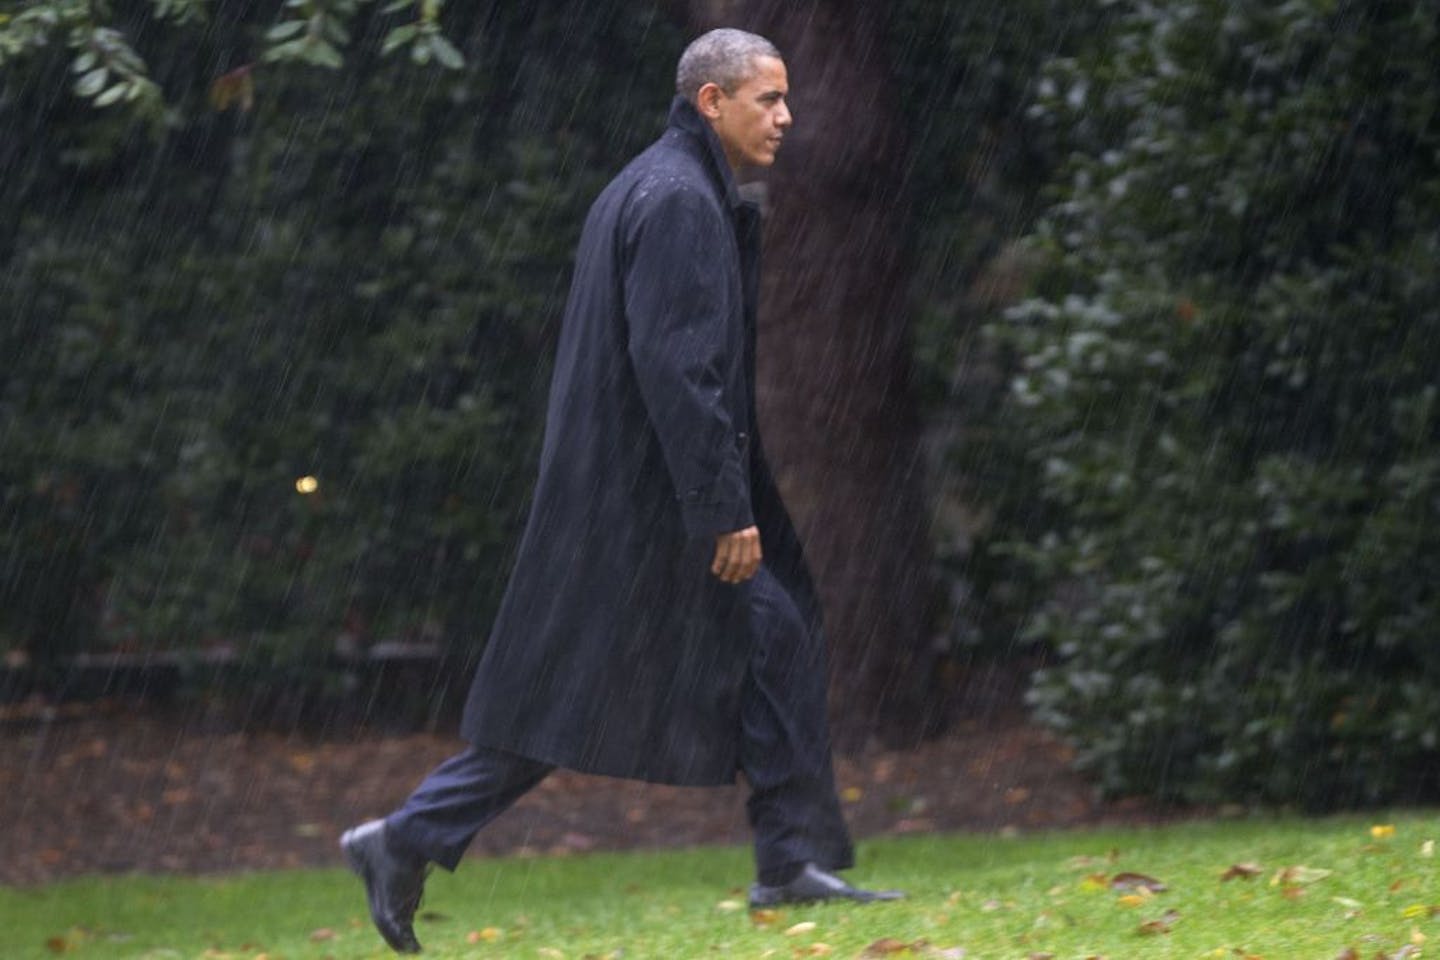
[398,38]
[290,50]
[85,61]
[92,83]
[446,53]
[114,95]
[335,31]
[420,53]
[395,6]
[284,31]
[323,54]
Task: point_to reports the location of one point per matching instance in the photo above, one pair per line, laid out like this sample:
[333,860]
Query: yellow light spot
[307,485]
[1382,830]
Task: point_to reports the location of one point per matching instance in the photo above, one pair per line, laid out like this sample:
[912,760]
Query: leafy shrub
[1225,383]
[355,281]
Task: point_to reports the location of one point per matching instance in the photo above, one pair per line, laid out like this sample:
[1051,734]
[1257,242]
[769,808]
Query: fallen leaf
[487,935]
[1420,911]
[577,841]
[1347,954]
[57,944]
[816,949]
[550,953]
[950,953]
[1041,956]
[1292,892]
[1353,908]
[1136,881]
[1298,874]
[764,918]
[1382,831]
[1242,871]
[884,947]
[804,926]
[1095,881]
[990,906]
[729,906]
[321,935]
[1162,924]
[1427,849]
[914,825]
[1134,899]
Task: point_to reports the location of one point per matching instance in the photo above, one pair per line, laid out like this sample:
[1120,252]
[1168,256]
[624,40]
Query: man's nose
[784,119]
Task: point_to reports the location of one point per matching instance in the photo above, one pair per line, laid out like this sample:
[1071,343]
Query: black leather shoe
[812,886]
[393,884]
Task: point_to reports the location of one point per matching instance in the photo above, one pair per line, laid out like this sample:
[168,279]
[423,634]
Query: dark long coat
[615,650]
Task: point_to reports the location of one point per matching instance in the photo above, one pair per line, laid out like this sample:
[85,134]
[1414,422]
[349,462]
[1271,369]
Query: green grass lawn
[1318,888]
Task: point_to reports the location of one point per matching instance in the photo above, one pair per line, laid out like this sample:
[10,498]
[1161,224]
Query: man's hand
[737,555]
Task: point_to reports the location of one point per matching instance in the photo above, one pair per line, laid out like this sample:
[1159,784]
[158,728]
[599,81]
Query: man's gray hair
[725,57]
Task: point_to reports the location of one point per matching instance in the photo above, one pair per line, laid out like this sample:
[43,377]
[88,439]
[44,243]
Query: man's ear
[707,101]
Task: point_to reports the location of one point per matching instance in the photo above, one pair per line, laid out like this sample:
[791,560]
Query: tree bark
[836,411]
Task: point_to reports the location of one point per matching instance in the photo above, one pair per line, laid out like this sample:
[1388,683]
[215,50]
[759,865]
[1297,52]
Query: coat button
[743,439]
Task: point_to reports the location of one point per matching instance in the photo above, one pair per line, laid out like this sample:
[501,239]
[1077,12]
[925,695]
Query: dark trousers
[784,754]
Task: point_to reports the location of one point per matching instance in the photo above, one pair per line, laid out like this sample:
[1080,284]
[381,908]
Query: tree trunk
[836,411]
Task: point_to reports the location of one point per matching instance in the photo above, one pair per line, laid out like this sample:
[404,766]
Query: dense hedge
[1225,385]
[355,281]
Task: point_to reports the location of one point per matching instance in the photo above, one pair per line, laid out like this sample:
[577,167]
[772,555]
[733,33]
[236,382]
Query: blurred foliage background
[1172,305]
[354,280]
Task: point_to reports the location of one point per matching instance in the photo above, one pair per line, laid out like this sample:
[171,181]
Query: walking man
[643,633]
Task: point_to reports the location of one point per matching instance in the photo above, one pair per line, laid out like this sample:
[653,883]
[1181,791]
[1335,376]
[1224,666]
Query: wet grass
[1365,888]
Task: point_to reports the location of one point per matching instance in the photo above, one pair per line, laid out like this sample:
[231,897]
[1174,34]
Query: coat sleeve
[683,343]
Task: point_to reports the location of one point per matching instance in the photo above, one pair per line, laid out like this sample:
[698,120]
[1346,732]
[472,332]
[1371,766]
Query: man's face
[751,121]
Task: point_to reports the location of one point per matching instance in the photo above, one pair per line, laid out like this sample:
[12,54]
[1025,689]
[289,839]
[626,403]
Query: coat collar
[686,119]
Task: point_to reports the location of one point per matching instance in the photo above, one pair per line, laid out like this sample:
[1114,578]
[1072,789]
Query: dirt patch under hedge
[113,788]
